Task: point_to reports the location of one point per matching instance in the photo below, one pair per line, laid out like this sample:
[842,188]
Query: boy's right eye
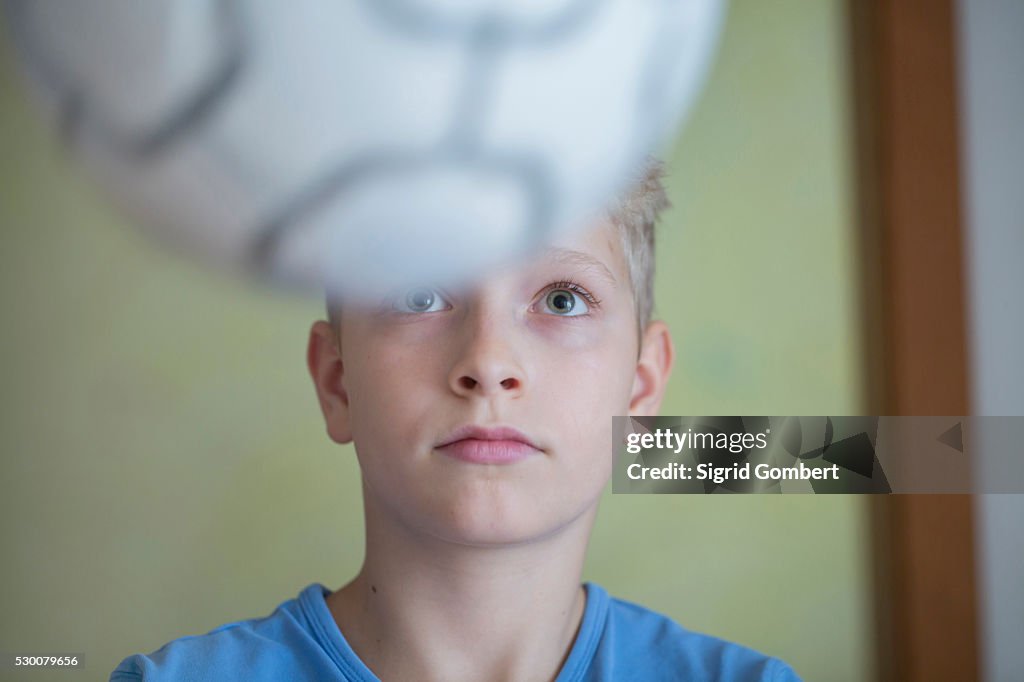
[420,300]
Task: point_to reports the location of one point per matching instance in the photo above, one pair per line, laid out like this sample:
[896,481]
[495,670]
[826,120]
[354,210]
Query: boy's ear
[652,370]
[323,357]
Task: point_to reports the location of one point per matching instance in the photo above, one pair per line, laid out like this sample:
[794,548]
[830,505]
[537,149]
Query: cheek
[594,364]
[583,391]
[385,380]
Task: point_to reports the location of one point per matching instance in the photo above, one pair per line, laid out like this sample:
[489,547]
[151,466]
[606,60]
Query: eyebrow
[571,257]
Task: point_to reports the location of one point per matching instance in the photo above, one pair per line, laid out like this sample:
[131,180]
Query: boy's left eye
[565,303]
[420,300]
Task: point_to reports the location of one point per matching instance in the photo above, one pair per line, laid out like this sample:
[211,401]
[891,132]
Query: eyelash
[576,288]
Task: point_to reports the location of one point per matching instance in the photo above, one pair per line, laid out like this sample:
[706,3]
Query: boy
[482,424]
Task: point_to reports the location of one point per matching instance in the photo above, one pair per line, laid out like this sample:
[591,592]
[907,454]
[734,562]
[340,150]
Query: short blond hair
[634,215]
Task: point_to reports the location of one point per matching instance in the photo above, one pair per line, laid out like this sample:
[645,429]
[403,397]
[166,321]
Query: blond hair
[635,215]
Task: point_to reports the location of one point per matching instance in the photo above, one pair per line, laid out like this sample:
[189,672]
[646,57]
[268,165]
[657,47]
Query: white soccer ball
[369,142]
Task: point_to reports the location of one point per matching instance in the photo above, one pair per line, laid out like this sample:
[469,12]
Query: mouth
[488,445]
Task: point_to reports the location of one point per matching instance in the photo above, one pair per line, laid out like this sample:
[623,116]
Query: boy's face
[547,351]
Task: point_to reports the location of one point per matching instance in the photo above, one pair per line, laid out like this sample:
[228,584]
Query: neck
[429,609]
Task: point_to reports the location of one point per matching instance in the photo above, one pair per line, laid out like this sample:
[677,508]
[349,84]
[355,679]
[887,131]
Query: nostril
[468,382]
[509,383]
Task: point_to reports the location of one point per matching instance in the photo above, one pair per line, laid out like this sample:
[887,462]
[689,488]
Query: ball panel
[133,73]
[311,101]
[405,221]
[678,63]
[194,198]
[544,102]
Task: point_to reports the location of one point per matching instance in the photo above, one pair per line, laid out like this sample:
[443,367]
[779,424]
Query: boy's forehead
[592,251]
[596,249]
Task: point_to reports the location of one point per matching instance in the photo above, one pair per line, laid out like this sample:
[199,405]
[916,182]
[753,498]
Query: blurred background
[165,466]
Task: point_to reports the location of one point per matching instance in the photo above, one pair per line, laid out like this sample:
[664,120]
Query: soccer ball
[363,143]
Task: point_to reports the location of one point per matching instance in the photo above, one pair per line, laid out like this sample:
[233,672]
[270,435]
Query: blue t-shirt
[617,640]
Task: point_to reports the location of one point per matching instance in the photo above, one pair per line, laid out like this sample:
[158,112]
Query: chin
[489,520]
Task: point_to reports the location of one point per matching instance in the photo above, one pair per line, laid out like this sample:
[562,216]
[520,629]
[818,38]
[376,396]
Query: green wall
[165,468]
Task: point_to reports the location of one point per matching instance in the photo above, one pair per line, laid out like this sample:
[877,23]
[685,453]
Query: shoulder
[279,646]
[643,644]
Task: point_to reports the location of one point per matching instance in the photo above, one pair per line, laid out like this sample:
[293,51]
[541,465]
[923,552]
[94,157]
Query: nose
[487,364]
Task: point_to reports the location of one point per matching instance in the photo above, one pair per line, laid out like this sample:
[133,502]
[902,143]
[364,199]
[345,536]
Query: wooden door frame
[910,224]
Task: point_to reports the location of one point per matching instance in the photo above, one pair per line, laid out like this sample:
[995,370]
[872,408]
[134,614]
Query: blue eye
[565,303]
[421,300]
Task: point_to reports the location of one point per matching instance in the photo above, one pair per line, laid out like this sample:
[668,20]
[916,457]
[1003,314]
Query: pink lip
[478,445]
